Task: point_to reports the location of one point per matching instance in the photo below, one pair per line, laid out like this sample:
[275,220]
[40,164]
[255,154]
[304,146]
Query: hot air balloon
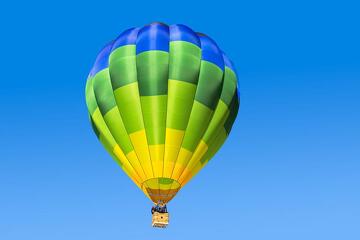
[162,100]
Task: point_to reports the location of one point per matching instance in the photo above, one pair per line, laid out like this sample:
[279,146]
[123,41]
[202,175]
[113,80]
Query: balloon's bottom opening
[161,190]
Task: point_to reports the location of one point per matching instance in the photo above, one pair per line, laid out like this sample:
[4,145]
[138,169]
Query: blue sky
[289,170]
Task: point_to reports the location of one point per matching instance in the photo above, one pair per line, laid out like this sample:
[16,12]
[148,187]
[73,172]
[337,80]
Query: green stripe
[109,149]
[234,108]
[103,128]
[152,72]
[229,86]
[128,102]
[93,125]
[117,129]
[217,121]
[90,97]
[209,85]
[184,62]
[180,100]
[122,66]
[103,91]
[218,141]
[106,144]
[199,120]
[154,115]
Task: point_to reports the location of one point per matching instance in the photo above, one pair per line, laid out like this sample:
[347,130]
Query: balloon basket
[160,220]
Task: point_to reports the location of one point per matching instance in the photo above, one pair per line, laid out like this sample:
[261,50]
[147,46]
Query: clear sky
[289,170]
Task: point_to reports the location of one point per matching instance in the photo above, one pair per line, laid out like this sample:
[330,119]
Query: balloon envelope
[162,100]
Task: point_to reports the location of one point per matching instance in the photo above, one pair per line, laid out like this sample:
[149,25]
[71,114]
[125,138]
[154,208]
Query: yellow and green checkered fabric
[162,100]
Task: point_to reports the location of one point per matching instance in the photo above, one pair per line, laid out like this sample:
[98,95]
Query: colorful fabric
[162,100]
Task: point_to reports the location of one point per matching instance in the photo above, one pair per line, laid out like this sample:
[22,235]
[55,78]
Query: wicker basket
[160,220]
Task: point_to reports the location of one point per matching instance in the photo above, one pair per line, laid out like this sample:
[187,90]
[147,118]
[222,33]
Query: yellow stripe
[136,164]
[200,150]
[127,166]
[212,148]
[157,156]
[139,142]
[173,142]
[182,159]
[194,171]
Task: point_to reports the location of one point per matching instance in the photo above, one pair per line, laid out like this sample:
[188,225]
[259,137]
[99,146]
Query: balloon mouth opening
[161,189]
